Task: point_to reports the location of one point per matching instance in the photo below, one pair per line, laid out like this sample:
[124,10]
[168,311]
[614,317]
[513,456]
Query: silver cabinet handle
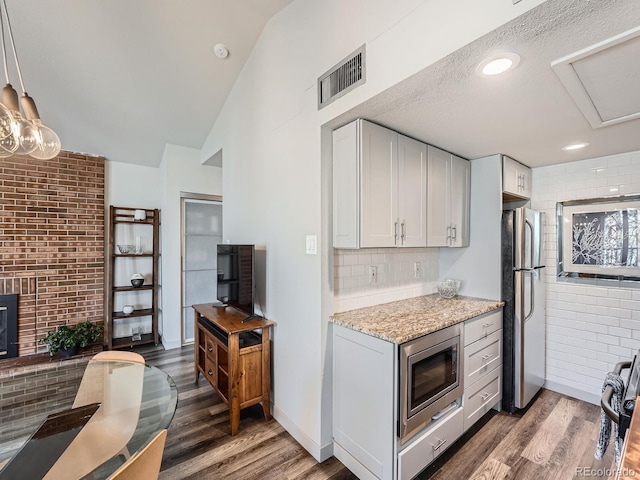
[449,234]
[439,445]
[487,357]
[403,233]
[485,396]
[455,233]
[395,233]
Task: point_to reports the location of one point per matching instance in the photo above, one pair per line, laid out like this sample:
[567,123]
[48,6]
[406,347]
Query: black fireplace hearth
[8,326]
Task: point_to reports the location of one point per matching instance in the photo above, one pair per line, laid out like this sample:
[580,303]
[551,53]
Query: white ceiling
[122,78]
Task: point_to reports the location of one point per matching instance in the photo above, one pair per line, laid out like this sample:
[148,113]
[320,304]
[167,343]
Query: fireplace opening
[8,326]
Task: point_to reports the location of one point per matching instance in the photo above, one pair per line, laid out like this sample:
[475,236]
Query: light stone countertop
[405,320]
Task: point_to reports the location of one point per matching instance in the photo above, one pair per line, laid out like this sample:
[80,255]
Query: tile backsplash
[396,278]
[591,324]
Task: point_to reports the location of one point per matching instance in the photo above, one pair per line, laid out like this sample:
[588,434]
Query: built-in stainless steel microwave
[430,378]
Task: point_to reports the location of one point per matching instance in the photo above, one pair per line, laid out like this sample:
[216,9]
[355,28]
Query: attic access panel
[603,79]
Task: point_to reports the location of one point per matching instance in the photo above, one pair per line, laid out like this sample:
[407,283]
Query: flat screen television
[236,285]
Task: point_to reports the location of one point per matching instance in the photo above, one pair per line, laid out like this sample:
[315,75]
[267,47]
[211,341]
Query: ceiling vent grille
[342,78]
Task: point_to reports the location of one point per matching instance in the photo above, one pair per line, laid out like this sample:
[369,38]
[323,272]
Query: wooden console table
[234,358]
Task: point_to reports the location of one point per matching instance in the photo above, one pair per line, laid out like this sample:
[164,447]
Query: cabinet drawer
[481,396]
[481,326]
[424,449]
[209,347]
[482,357]
[210,370]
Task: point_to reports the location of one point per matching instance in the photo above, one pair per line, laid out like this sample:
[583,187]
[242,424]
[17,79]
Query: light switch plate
[312,244]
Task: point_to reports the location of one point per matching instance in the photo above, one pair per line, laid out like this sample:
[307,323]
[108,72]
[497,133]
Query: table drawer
[210,370]
[424,449]
[481,396]
[482,357]
[209,347]
[482,326]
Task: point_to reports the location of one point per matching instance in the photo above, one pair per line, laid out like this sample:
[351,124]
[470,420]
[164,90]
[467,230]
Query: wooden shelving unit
[119,216]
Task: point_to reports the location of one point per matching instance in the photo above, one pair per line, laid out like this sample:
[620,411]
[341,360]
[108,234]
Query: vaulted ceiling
[121,78]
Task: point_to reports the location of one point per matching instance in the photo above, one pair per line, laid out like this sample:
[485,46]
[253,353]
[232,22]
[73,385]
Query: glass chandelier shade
[20,135]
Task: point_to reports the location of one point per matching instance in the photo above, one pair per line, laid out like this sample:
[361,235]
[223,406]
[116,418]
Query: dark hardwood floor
[554,439]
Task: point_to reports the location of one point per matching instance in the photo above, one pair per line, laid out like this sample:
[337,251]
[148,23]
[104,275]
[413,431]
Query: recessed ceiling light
[498,64]
[575,146]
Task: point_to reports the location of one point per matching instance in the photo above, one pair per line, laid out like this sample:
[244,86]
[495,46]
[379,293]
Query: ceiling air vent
[342,78]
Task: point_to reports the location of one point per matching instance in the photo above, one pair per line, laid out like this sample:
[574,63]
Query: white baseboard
[349,461]
[320,453]
[573,392]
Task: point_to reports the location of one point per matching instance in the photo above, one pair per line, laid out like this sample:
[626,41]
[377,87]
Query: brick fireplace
[52,242]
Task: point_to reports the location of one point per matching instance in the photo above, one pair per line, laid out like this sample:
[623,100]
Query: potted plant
[68,341]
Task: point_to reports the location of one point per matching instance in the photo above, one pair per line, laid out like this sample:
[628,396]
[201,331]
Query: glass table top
[118,407]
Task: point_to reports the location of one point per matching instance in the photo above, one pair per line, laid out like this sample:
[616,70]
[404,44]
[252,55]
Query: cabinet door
[510,180]
[460,201]
[378,186]
[412,192]
[438,197]
[346,201]
[516,178]
[526,181]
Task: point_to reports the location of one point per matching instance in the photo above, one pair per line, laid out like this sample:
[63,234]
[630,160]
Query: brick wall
[52,241]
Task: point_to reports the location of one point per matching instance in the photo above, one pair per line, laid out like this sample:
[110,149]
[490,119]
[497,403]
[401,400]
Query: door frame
[186,197]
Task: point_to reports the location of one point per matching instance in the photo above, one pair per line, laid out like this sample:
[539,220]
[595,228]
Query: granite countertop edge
[405,320]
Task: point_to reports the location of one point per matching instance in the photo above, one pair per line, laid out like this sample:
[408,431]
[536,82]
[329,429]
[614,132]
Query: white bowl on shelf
[448,288]
[127,309]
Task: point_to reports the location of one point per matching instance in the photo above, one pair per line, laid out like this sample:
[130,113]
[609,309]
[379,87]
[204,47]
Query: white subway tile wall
[395,272]
[591,324]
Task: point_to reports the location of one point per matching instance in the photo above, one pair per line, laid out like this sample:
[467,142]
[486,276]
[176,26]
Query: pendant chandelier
[21,135]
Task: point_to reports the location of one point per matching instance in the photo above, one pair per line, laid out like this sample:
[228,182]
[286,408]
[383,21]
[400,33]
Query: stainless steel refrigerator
[523,292]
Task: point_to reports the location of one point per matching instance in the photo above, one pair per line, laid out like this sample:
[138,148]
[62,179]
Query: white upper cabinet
[346,178]
[516,178]
[379,188]
[460,201]
[412,192]
[448,199]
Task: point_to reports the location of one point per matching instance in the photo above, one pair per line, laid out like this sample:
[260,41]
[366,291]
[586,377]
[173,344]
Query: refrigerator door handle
[531,296]
[531,243]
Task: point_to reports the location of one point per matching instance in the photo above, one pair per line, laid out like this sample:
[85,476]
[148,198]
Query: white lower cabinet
[427,446]
[482,396]
[482,366]
[365,400]
[364,393]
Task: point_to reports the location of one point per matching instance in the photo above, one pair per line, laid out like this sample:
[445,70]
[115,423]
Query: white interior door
[201,234]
